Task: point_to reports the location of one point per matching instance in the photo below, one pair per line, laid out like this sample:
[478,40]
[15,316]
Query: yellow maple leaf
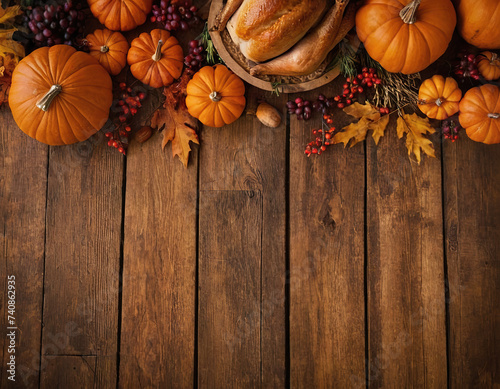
[415,128]
[369,119]
[9,13]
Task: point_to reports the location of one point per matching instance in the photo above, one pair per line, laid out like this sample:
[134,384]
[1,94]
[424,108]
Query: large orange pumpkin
[479,22]
[215,96]
[405,36]
[489,65]
[121,15]
[109,48]
[59,95]
[438,98]
[480,113]
[156,58]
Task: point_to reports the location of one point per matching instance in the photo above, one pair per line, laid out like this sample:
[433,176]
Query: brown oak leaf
[369,119]
[178,125]
[415,128]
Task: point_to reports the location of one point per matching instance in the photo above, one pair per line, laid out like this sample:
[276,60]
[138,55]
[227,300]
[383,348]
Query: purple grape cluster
[173,17]
[450,130]
[56,24]
[303,109]
[196,55]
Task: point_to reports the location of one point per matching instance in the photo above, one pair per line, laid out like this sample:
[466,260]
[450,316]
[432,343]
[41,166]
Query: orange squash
[156,58]
[438,98]
[59,95]
[489,66]
[405,36]
[121,15]
[215,96]
[109,48]
[479,22]
[480,113]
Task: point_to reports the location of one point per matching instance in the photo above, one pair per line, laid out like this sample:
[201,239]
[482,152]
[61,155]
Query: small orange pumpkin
[215,96]
[121,15]
[438,98]
[480,113]
[489,66]
[109,48]
[405,36]
[156,58]
[59,95]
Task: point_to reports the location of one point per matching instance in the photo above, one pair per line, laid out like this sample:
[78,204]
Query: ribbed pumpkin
[215,96]
[438,98]
[109,48]
[156,58]
[59,95]
[405,36]
[121,15]
[479,22]
[489,66]
[480,113]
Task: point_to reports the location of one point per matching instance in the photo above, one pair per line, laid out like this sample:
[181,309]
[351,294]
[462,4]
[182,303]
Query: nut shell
[268,115]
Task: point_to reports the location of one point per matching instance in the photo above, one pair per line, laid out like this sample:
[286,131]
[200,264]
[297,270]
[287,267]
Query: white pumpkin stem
[494,115]
[215,96]
[45,101]
[407,14]
[157,55]
[439,102]
[494,57]
[104,49]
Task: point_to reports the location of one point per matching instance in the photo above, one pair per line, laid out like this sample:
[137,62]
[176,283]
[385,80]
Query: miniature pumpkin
[156,58]
[480,113]
[478,22]
[215,96]
[489,66]
[438,98]
[59,95]
[109,48]
[408,38]
[121,15]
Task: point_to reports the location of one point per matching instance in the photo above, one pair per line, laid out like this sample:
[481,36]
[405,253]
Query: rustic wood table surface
[255,266]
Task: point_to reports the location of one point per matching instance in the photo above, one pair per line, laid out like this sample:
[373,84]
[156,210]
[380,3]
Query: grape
[173,17]
[195,58]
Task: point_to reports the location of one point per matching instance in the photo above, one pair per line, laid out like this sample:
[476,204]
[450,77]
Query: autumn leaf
[369,119]
[415,128]
[10,50]
[179,127]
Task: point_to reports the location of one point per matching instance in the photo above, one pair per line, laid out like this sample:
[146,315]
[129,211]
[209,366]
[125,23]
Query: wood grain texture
[23,186]
[246,155]
[472,215]
[75,372]
[327,347]
[83,253]
[159,269]
[230,289]
[406,299]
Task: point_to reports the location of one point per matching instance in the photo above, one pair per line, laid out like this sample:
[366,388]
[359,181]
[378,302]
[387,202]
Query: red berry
[360,76]
[348,101]
[378,81]
[471,57]
[110,142]
[364,70]
[346,86]
[315,150]
[109,134]
[360,89]
[369,84]
[123,85]
[346,91]
[128,129]
[337,98]
[351,95]
[133,111]
[122,118]
[115,143]
[142,95]
[329,120]
[340,105]
[323,148]
[328,135]
[120,149]
[348,79]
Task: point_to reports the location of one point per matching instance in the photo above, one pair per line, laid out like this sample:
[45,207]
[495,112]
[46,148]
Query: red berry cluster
[303,109]
[129,101]
[467,66]
[196,55]
[177,16]
[126,107]
[322,139]
[450,130]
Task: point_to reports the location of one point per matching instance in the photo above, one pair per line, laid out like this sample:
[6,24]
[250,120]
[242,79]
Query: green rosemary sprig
[346,59]
[276,87]
[206,41]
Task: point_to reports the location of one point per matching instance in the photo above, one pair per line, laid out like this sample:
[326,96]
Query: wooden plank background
[254,267]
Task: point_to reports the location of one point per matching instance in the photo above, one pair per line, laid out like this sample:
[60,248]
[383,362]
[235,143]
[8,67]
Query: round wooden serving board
[245,75]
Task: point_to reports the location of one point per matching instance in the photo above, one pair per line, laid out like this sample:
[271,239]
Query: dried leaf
[369,119]
[415,128]
[10,50]
[179,126]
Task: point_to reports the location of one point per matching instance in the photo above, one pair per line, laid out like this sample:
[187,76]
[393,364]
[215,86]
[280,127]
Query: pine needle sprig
[346,59]
[205,40]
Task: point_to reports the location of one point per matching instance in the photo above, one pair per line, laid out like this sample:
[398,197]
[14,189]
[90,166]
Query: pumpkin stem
[215,96]
[45,101]
[494,57]
[439,102]
[104,49]
[407,14]
[157,55]
[494,115]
